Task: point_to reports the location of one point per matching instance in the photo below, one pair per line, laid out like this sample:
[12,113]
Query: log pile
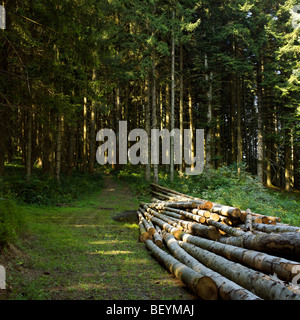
[221,252]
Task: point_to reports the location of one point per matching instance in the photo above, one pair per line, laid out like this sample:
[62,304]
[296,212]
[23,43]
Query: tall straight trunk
[233,121]
[154,117]
[92,131]
[287,161]
[148,126]
[161,109]
[172,102]
[29,145]
[181,102]
[208,142]
[260,145]
[84,142]
[168,116]
[191,126]
[239,126]
[71,145]
[2,141]
[117,119]
[51,145]
[60,120]
[276,148]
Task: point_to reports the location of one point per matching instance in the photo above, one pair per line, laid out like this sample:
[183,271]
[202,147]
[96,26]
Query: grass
[79,251]
[85,249]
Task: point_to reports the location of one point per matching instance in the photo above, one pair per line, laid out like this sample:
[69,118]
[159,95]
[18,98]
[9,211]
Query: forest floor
[89,251]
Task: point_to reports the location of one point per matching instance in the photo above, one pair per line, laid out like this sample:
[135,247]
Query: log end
[206,289]
[213,233]
[205,205]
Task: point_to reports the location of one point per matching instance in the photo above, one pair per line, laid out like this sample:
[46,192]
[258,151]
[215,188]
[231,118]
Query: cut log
[157,236]
[285,245]
[181,205]
[274,228]
[203,213]
[263,285]
[248,222]
[209,232]
[227,289]
[169,220]
[185,214]
[144,235]
[227,229]
[265,219]
[229,221]
[202,286]
[164,225]
[257,260]
[226,210]
[149,229]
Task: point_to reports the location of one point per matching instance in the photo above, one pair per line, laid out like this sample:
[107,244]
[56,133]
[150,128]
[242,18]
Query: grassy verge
[80,251]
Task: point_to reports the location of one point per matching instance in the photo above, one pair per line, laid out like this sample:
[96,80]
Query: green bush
[224,186]
[11,221]
[42,190]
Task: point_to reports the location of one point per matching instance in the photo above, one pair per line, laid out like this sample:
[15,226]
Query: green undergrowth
[224,186]
[16,192]
[79,252]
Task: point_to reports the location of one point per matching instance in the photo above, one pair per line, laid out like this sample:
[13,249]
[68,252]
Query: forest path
[87,251]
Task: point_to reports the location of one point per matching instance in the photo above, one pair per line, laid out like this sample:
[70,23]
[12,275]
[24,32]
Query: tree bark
[148,126]
[283,244]
[172,102]
[29,145]
[92,131]
[208,142]
[260,144]
[154,118]
[226,288]
[263,285]
[60,120]
[181,102]
[202,286]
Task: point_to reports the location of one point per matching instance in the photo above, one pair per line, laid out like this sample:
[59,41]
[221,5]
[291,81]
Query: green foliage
[224,186]
[42,190]
[11,221]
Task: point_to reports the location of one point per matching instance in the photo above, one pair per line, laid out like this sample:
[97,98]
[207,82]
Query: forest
[70,69]
[231,68]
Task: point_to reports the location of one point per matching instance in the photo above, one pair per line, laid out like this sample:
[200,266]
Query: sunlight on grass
[112,252]
[104,242]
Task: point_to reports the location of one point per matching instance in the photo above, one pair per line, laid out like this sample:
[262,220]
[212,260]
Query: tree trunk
[226,288]
[255,259]
[60,121]
[148,126]
[181,102]
[172,101]
[191,126]
[262,285]
[29,145]
[239,126]
[208,142]
[260,145]
[92,131]
[283,244]
[154,118]
[202,286]
[84,142]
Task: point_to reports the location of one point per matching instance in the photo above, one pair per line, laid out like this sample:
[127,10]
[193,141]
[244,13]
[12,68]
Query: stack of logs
[221,252]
